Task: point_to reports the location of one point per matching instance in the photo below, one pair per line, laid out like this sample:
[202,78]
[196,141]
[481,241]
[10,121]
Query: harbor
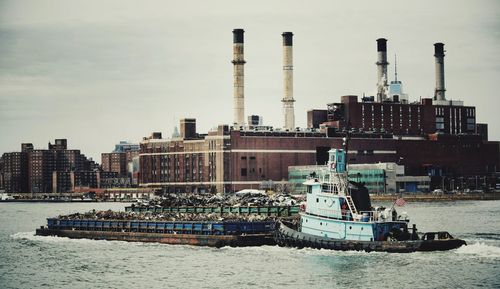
[438,198]
[48,260]
[409,197]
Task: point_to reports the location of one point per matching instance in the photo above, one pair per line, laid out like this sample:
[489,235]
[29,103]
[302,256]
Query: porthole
[350,227]
[361,229]
[321,223]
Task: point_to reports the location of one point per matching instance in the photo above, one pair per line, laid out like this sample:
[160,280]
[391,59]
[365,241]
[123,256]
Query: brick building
[15,172]
[43,170]
[419,118]
[194,164]
[114,162]
[120,161]
[231,160]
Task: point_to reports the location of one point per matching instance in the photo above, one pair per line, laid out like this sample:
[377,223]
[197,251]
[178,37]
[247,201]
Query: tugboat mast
[345,144]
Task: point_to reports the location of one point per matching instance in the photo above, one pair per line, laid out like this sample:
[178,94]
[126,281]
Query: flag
[400,202]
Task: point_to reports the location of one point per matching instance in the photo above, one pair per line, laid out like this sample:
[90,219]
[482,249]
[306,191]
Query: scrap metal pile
[195,200]
[168,217]
[210,200]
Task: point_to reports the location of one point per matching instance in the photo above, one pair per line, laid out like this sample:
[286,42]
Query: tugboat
[338,215]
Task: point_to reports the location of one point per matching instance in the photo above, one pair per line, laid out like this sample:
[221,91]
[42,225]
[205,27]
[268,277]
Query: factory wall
[246,159]
[401,119]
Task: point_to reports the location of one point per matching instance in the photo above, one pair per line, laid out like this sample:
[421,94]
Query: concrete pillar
[239,79]
[54,182]
[382,69]
[72,180]
[288,110]
[439,56]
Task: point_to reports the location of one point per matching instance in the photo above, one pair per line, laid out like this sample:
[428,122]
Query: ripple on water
[479,249]
[29,261]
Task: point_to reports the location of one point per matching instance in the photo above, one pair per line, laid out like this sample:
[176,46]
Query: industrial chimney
[382,69]
[288,110]
[439,56]
[239,80]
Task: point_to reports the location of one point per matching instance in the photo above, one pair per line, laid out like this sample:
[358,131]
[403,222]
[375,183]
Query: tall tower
[288,110]
[439,56]
[396,87]
[381,69]
[239,78]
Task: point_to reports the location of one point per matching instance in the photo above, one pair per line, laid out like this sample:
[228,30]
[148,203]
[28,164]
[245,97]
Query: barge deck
[204,233]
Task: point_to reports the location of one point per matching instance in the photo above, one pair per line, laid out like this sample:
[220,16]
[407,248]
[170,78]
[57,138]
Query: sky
[97,72]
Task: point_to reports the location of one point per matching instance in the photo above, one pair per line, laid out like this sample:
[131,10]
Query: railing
[370,216]
[329,188]
[347,216]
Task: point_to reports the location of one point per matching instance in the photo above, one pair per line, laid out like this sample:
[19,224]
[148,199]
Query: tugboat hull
[286,235]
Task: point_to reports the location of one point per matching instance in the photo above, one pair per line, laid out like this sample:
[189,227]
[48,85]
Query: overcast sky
[97,72]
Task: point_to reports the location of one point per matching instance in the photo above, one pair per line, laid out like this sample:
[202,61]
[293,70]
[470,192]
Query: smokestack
[288,110]
[382,69]
[239,78]
[439,56]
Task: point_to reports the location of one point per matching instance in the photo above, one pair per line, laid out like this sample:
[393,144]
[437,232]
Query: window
[471,124]
[243,172]
[439,122]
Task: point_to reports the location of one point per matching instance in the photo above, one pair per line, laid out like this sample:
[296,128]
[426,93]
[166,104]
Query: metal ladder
[351,205]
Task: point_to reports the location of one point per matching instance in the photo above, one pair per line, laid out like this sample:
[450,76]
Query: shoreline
[409,197]
[64,201]
[436,198]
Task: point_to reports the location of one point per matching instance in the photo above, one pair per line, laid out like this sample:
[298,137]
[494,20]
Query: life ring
[333,166]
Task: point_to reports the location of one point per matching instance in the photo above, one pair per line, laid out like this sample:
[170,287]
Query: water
[28,261]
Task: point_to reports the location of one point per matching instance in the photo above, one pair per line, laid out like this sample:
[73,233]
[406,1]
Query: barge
[338,215]
[200,233]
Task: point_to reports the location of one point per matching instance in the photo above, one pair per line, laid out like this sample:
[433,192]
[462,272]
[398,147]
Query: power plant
[429,137]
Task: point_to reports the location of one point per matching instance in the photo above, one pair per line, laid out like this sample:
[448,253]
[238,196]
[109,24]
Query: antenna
[395,68]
